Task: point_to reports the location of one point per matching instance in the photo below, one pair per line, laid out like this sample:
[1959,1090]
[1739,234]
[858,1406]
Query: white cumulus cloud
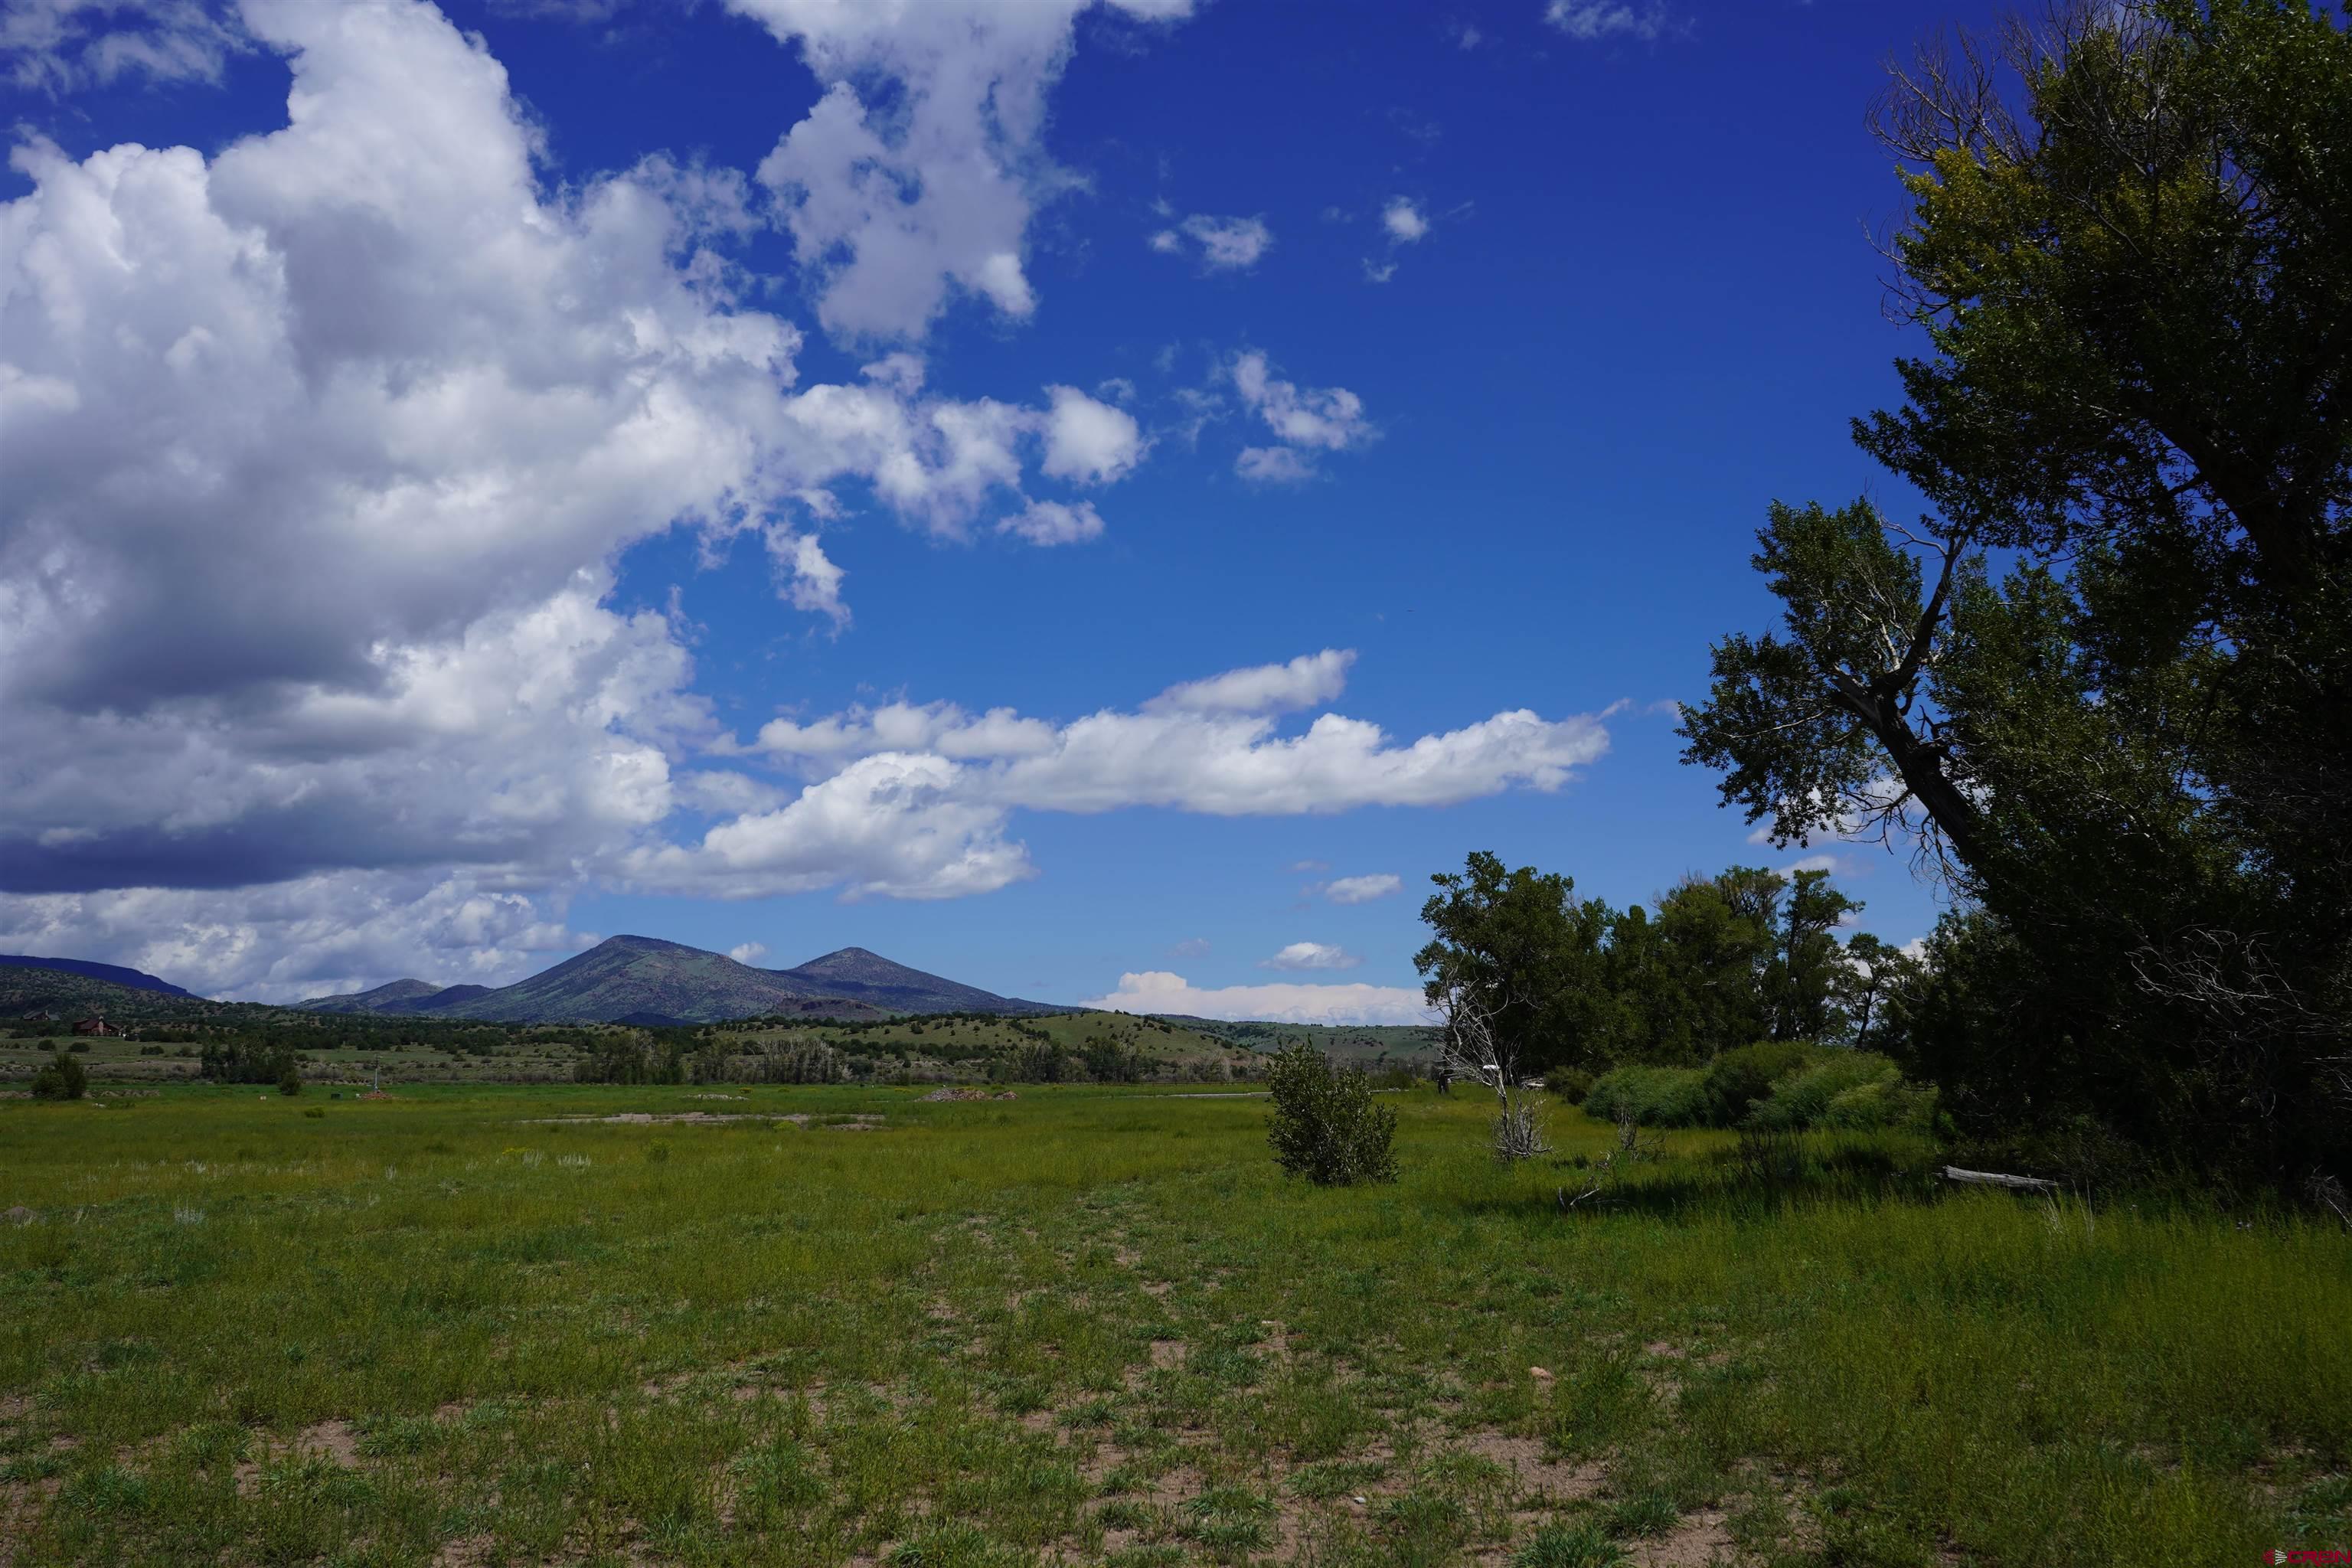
[1403,221]
[916,172]
[1050,522]
[1219,244]
[1302,682]
[321,447]
[1362,890]
[57,45]
[1089,442]
[1305,421]
[1313,956]
[1158,991]
[1594,20]
[916,800]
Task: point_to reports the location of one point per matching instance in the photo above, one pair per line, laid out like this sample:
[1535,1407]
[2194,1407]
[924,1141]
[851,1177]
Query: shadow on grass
[1754,1179]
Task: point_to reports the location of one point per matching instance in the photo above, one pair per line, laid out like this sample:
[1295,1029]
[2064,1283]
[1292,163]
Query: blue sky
[598,467]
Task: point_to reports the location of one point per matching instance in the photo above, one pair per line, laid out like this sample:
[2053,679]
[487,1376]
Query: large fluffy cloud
[319,450]
[1158,991]
[916,174]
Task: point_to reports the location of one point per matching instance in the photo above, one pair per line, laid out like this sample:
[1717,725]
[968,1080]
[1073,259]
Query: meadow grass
[1098,1325]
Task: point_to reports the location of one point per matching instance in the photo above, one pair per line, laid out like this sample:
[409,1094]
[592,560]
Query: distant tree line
[1574,986]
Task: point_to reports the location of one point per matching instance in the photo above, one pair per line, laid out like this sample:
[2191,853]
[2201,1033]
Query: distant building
[98,1025]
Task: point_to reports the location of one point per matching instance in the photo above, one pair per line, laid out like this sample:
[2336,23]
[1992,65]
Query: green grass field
[1091,1325]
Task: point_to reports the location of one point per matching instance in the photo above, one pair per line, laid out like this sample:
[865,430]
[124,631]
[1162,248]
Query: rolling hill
[112,973]
[862,976]
[395,997]
[647,978]
[644,980]
[66,994]
[399,998]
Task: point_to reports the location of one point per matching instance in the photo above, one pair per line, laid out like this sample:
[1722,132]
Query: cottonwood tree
[2130,249]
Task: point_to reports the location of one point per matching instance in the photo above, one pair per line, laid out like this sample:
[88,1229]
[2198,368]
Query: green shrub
[290,1082]
[1802,1098]
[1586,1545]
[1883,1102]
[1572,1084]
[1741,1078]
[1326,1125]
[63,1079]
[1652,1096]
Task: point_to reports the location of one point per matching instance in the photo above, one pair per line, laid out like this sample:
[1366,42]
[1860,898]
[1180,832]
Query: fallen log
[1995,1179]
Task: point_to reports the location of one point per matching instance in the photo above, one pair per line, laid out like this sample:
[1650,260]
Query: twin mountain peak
[644,980]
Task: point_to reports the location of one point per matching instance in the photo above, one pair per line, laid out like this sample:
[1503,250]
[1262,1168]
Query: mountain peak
[867,976]
[641,944]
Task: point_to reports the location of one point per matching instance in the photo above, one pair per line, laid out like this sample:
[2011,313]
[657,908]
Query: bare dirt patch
[331,1440]
[1547,1479]
[1699,1541]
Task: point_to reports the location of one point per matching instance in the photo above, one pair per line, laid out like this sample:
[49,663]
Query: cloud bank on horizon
[324,450]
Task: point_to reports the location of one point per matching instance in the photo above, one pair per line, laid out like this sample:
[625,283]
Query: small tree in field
[1326,1126]
[61,1080]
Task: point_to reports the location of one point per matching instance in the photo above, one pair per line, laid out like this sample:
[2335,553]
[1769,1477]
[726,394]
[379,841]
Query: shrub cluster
[1780,1085]
[63,1079]
[1326,1125]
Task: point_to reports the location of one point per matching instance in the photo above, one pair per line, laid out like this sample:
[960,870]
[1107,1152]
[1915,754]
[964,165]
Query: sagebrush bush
[1326,1125]
[1652,1096]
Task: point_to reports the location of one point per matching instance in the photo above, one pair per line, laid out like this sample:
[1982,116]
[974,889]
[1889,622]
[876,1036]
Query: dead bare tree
[1471,1046]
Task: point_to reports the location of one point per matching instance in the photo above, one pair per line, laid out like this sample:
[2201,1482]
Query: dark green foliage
[633,1057]
[1572,1084]
[1741,1078]
[1650,1095]
[1721,961]
[63,1079]
[1527,955]
[2127,746]
[247,1061]
[1853,1090]
[1326,1126]
[1773,1084]
[290,1082]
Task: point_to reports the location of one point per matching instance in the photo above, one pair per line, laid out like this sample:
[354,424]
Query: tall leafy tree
[1804,982]
[1516,948]
[2130,252]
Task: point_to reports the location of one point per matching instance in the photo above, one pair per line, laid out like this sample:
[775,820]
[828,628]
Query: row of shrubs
[1777,1085]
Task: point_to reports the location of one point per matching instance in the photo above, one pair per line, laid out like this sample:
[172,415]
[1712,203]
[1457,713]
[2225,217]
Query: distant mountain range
[114,973]
[644,980]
